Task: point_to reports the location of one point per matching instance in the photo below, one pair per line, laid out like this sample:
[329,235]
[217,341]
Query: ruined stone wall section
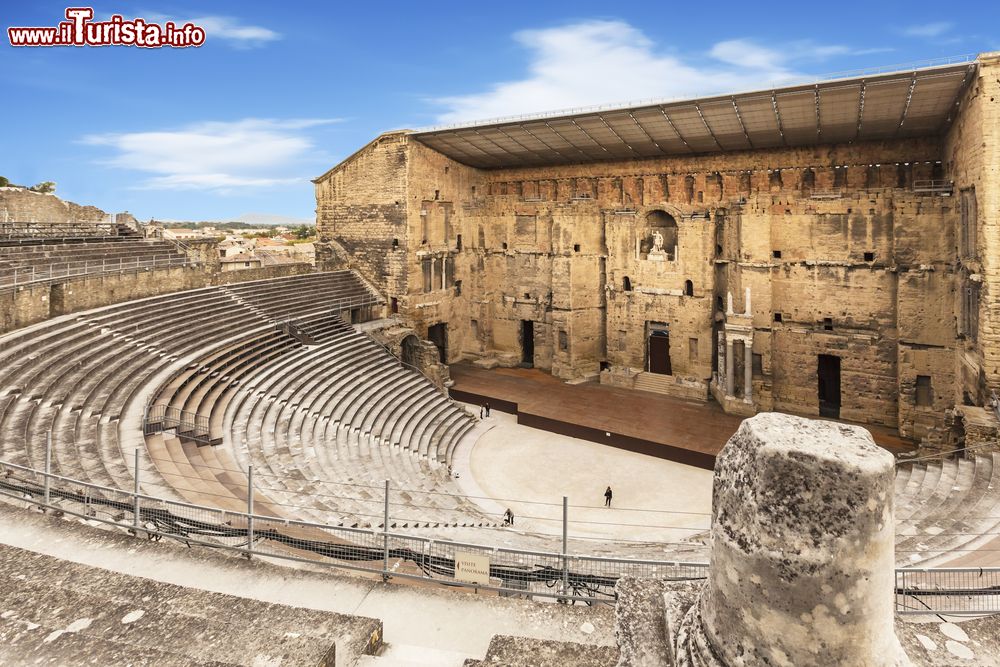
[361,211]
[972,159]
[23,205]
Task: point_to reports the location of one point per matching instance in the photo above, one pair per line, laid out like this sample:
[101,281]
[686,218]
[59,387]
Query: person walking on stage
[487,406]
[508,518]
[607,497]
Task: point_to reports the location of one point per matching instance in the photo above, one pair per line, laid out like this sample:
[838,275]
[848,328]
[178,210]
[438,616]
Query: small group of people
[484,410]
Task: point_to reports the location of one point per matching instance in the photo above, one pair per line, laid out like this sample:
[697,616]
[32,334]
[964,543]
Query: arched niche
[658,237]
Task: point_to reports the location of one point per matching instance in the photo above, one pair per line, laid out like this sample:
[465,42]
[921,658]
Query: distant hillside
[269,219]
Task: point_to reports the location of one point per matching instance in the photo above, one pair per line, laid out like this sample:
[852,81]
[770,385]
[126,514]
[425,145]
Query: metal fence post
[565,546]
[385,535]
[135,494]
[48,467]
[249,511]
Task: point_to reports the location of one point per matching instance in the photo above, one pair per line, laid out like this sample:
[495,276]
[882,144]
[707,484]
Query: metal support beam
[777,116]
[563,137]
[587,134]
[135,493]
[861,109]
[697,107]
[618,136]
[249,511]
[647,134]
[739,117]
[673,127]
[819,124]
[906,107]
[385,535]
[542,141]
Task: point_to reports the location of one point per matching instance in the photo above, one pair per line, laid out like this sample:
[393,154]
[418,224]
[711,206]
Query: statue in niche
[657,241]
[656,253]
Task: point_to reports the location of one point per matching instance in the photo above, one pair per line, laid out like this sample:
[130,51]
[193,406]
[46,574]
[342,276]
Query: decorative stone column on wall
[802,551]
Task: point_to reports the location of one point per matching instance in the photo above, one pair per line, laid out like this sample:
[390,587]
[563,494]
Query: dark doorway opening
[410,351]
[659,352]
[438,334]
[828,372]
[527,343]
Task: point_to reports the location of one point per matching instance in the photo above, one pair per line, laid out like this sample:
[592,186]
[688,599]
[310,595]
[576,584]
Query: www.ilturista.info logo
[80,30]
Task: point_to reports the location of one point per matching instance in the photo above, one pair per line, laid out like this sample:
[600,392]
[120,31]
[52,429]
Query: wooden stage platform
[686,431]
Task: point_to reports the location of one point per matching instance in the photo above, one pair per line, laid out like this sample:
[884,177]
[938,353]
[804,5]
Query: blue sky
[281,91]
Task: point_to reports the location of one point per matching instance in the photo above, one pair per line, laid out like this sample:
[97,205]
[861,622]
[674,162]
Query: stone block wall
[23,205]
[838,254]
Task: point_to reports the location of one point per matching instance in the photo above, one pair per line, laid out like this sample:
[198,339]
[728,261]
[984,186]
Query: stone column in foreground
[802,566]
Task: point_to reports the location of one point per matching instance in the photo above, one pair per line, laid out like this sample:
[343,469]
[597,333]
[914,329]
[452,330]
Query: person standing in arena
[607,497]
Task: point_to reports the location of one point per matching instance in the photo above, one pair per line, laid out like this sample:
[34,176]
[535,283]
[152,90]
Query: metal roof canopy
[892,105]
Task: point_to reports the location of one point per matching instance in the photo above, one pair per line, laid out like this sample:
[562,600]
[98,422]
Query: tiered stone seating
[40,259]
[316,423]
[946,509]
[60,612]
[78,376]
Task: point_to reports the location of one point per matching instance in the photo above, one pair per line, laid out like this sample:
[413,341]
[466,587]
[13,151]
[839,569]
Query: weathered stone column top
[799,485]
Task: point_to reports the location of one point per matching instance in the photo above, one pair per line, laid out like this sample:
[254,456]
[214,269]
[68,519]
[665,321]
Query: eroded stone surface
[802,556]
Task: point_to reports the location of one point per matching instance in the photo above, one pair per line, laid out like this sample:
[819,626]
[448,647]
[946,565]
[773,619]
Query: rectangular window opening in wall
[475,329]
[394,305]
[777,317]
[458,288]
[473,190]
[437,194]
[692,349]
[757,364]
[869,257]
[504,246]
[576,247]
[776,254]
[563,341]
[458,242]
[924,393]
[828,324]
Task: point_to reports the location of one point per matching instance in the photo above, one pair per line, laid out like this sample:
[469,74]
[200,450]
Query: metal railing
[48,273]
[387,553]
[190,425]
[379,551]
[934,187]
[11,230]
[952,591]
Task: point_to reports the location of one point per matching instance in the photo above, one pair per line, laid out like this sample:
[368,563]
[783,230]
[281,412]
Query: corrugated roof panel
[643,131]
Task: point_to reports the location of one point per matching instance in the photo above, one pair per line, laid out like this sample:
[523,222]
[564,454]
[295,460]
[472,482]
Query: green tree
[44,187]
[4,182]
[302,232]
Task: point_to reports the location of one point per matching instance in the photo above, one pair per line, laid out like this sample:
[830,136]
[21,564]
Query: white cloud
[227,28]
[598,62]
[230,29]
[217,156]
[928,29]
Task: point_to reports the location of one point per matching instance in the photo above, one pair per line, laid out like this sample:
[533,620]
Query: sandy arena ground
[530,470]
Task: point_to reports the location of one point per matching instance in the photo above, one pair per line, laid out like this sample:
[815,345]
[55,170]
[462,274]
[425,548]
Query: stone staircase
[655,382]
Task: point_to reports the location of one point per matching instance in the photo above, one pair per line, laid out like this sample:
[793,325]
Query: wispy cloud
[927,29]
[594,62]
[215,156]
[227,28]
